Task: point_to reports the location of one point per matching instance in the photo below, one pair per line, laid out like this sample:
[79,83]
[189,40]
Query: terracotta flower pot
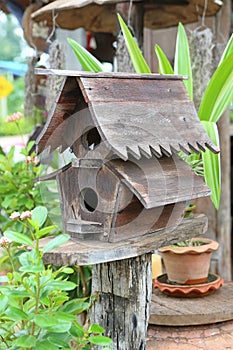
[188,264]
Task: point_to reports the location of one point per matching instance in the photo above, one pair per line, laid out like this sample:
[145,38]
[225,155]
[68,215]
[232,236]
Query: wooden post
[122,278]
[123,290]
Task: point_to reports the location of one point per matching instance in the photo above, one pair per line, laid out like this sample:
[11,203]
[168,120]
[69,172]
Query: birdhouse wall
[87,143]
[134,220]
[88,196]
[96,204]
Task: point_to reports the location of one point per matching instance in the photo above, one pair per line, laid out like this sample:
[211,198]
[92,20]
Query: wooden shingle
[138,115]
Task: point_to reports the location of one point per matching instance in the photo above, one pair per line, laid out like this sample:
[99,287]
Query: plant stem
[10,258]
[4,341]
[37,283]
[20,132]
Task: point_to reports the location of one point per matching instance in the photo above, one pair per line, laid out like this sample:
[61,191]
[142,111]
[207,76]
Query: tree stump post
[123,289]
[122,277]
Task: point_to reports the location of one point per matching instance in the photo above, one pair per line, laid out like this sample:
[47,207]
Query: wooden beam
[168,311]
[79,252]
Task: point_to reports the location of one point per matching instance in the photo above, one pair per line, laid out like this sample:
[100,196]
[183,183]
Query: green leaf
[51,323]
[68,270]
[45,345]
[7,201]
[62,285]
[211,164]
[95,328]
[76,330]
[100,340]
[219,92]
[3,303]
[44,231]
[182,63]
[228,49]
[29,146]
[164,64]
[26,341]
[65,316]
[75,306]
[87,60]
[31,268]
[29,204]
[3,279]
[16,314]
[56,242]
[18,237]
[136,56]
[39,215]
[56,342]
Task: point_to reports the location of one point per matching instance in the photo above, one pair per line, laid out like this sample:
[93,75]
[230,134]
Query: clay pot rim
[210,246]
[189,290]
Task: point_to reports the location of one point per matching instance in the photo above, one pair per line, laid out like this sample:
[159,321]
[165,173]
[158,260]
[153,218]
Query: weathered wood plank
[145,113]
[118,75]
[155,124]
[159,182]
[100,16]
[123,304]
[92,252]
[169,15]
[67,99]
[170,311]
[135,220]
[143,90]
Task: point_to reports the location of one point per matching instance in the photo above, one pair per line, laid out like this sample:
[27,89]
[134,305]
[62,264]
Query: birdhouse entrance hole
[91,139]
[89,199]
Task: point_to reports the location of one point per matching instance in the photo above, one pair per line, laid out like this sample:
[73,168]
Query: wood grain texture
[95,252]
[118,75]
[123,304]
[157,182]
[133,90]
[100,15]
[149,115]
[158,16]
[170,311]
[133,198]
[135,220]
[162,124]
[67,99]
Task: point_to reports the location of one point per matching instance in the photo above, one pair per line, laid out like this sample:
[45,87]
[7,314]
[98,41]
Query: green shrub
[36,312]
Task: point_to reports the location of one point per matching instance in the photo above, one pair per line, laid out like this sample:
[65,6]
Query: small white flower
[25,215]
[15,215]
[4,241]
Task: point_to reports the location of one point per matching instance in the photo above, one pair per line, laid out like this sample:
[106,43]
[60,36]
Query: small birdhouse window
[88,199]
[91,139]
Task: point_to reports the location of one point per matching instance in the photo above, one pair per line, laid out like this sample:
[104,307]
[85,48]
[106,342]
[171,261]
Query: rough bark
[123,290]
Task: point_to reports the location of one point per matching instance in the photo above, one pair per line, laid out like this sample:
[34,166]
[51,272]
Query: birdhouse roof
[155,182]
[159,182]
[134,114]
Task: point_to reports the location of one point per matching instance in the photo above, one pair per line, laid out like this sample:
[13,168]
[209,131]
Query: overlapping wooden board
[93,252]
[159,182]
[100,15]
[170,311]
[137,115]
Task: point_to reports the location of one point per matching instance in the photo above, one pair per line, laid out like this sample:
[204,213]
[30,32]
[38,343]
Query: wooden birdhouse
[126,178]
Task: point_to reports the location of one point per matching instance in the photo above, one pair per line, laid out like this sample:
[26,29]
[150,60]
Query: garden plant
[36,311]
